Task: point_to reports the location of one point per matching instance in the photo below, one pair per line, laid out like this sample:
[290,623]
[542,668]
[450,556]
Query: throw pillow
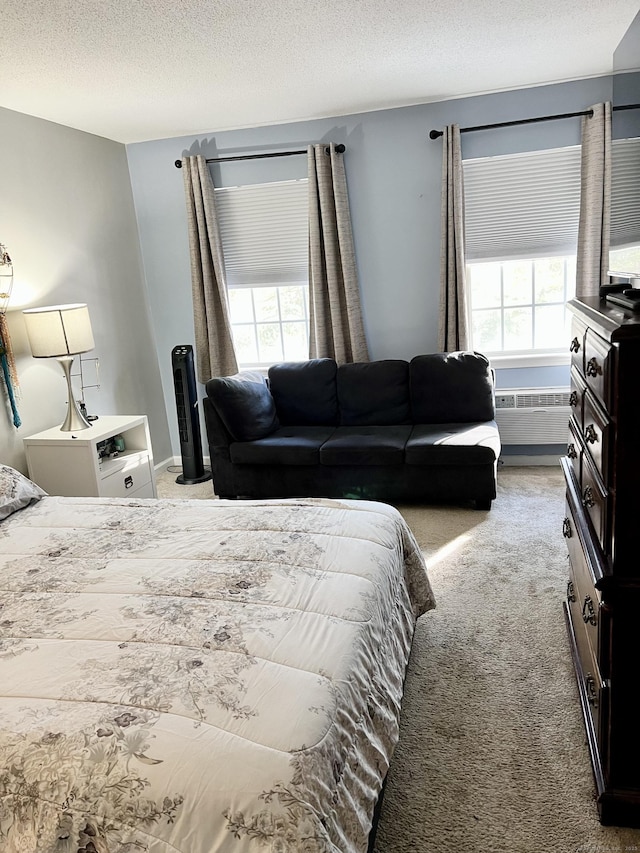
[16,491]
[245,405]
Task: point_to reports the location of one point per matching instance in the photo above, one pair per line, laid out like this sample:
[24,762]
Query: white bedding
[201,676]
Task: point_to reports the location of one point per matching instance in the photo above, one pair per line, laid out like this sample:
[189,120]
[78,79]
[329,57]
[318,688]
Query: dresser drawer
[585,600]
[594,499]
[574,448]
[593,688]
[129,480]
[576,397]
[596,428]
[598,366]
[576,347]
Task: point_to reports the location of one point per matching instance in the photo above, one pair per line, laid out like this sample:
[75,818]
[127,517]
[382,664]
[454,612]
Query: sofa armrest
[218,435]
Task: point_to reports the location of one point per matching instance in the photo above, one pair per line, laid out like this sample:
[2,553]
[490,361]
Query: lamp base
[75,420]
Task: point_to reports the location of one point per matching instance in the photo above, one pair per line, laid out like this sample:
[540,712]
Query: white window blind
[264,232]
[625,193]
[522,205]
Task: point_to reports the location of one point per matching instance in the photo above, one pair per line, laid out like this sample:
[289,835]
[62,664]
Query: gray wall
[393,173]
[67,219]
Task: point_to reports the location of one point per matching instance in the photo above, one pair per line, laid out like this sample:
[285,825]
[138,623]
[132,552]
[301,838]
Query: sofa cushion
[305,392]
[453,444]
[298,445]
[374,393]
[454,387]
[245,405]
[365,445]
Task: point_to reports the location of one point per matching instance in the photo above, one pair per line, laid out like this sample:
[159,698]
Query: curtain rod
[434,134]
[340,148]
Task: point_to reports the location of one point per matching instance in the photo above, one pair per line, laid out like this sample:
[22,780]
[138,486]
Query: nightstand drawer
[129,479]
[146,491]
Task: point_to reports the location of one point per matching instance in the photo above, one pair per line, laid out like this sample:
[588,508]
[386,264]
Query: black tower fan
[184,381]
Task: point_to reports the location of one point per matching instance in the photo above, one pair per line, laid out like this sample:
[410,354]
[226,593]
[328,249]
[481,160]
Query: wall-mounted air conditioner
[533,415]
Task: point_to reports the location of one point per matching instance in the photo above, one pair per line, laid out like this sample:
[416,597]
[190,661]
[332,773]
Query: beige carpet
[492,754]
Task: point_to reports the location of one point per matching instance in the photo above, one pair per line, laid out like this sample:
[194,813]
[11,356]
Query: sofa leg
[483,503]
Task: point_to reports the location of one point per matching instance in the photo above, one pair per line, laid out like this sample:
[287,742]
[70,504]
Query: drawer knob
[128,482]
[588,611]
[587,498]
[590,434]
[573,398]
[574,346]
[571,451]
[592,693]
[593,368]
[571,593]
[566,528]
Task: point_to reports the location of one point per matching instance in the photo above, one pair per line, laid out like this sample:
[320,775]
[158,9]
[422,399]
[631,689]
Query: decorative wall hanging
[7,361]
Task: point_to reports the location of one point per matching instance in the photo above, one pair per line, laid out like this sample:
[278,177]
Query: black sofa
[387,430]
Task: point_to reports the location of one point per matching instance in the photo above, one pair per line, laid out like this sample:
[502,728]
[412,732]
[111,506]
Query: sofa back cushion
[244,404]
[455,387]
[305,392]
[374,393]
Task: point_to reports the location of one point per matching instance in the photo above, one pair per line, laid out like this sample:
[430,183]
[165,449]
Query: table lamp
[62,332]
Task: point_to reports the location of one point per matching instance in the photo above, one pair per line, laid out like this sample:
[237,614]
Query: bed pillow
[245,405]
[16,491]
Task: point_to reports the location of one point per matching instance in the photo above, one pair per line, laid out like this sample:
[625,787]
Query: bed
[199,676]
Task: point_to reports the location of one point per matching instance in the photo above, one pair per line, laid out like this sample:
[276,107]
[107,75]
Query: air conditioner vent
[533,415]
[548,399]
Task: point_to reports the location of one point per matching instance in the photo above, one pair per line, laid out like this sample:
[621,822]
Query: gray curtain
[453,328]
[335,317]
[595,201]
[215,355]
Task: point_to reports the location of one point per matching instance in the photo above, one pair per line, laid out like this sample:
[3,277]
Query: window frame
[261,252]
[522,207]
[264,365]
[541,357]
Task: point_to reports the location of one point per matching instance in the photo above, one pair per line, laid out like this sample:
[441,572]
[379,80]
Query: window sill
[545,359]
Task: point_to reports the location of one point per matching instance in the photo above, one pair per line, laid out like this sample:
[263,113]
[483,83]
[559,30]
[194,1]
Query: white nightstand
[68,463]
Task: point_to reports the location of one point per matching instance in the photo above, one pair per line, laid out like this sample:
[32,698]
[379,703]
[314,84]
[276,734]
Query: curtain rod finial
[339,148]
[434,134]
[178,164]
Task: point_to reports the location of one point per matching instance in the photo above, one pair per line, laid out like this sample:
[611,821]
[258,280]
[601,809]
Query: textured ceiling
[135,70]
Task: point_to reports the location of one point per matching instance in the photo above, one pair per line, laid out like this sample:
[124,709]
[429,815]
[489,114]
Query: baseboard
[177,460]
[162,466]
[551,460]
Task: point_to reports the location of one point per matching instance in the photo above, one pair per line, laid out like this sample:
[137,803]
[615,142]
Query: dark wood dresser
[602,532]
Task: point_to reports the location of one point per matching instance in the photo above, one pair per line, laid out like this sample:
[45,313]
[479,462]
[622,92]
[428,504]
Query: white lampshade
[59,330]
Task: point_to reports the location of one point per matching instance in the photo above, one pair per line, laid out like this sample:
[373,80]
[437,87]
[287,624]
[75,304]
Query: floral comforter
[201,676]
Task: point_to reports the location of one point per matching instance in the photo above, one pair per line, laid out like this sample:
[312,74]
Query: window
[521,227]
[519,306]
[264,232]
[270,324]
[624,255]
